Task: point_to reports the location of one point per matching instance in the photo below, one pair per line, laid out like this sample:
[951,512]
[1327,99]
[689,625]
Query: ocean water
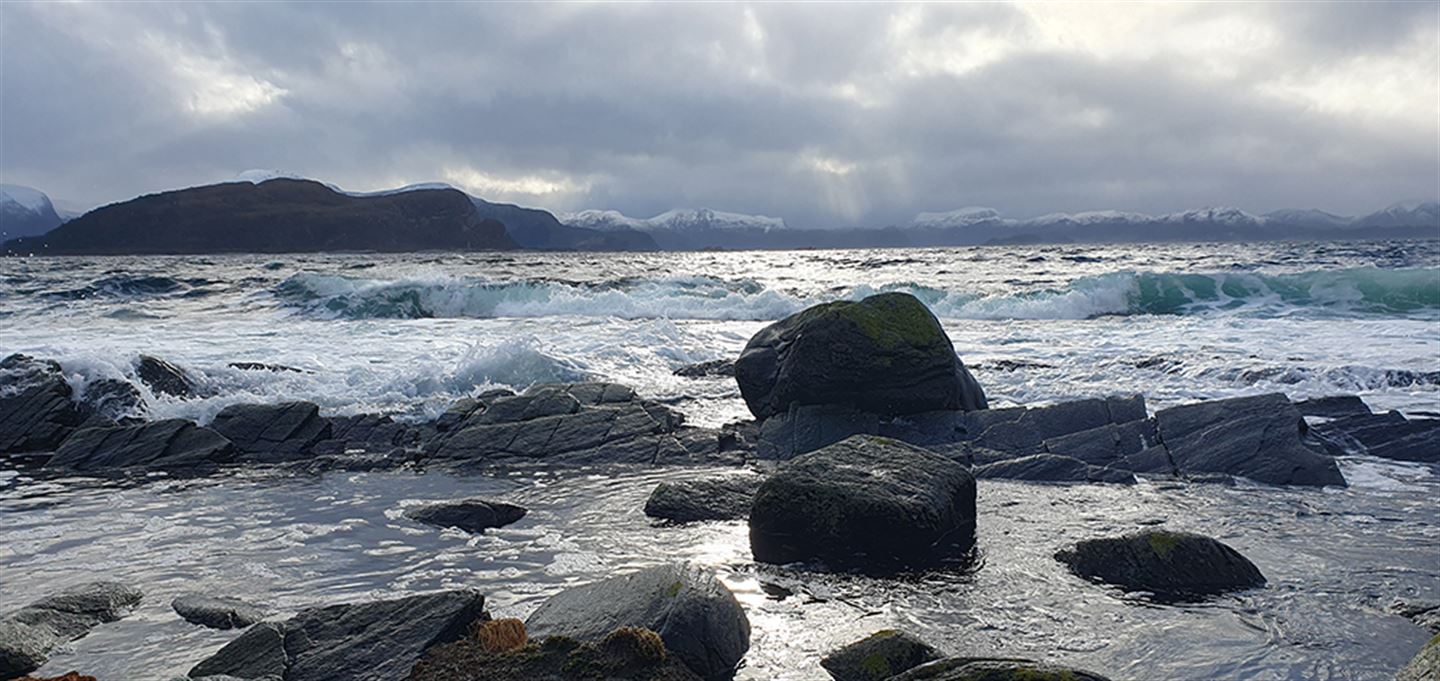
[408,334]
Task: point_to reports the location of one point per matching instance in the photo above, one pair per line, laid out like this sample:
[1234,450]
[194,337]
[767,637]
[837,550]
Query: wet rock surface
[1172,565]
[982,669]
[36,411]
[173,443]
[879,656]
[1254,437]
[699,620]
[627,654]
[714,367]
[865,501]
[374,641]
[28,635]
[216,612]
[164,378]
[471,515]
[272,433]
[727,498]
[1425,666]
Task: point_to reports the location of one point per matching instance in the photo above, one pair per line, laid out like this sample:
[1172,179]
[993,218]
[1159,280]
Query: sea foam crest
[1359,291]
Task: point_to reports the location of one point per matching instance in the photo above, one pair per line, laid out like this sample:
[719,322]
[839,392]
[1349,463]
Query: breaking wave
[1358,291]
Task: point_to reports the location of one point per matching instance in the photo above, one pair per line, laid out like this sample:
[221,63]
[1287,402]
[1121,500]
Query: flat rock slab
[28,635]
[727,498]
[173,443]
[866,501]
[216,612]
[1333,406]
[471,515]
[698,618]
[878,657]
[1175,566]
[375,641]
[1051,468]
[1257,437]
[272,433]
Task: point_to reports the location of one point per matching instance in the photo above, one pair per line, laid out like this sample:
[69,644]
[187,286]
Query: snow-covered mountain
[1310,216]
[679,220]
[988,217]
[1405,214]
[962,217]
[25,211]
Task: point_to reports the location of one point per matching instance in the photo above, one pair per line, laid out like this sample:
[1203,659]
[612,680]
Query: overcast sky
[821,114]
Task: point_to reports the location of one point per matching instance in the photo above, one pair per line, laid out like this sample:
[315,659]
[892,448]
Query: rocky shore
[870,443]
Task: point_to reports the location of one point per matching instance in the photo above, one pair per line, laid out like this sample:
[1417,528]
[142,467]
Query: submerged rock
[886,354]
[165,378]
[714,367]
[173,443]
[471,515]
[626,654]
[216,612]
[1333,406]
[983,669]
[865,501]
[726,498]
[36,412]
[1255,437]
[114,400]
[261,366]
[375,641]
[1171,565]
[1425,666]
[272,433]
[698,618]
[878,656]
[28,635]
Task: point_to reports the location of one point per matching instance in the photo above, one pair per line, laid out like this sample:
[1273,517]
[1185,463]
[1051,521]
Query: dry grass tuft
[502,636]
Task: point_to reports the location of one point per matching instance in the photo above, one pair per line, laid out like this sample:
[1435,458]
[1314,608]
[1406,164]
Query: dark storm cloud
[824,115]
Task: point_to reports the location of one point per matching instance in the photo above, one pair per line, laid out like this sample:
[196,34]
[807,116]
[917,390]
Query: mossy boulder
[1425,666]
[878,656]
[626,654]
[886,354]
[981,669]
[866,502]
[697,617]
[1171,565]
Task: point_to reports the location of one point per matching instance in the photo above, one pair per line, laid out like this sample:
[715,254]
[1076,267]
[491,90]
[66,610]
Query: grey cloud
[799,111]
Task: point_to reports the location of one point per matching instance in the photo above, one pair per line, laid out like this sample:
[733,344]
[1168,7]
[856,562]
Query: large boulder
[36,412]
[1425,666]
[272,433]
[878,656]
[989,669]
[28,635]
[216,612]
[1172,565]
[1257,437]
[627,654]
[868,501]
[698,618]
[727,498]
[471,515]
[376,641]
[886,354]
[173,443]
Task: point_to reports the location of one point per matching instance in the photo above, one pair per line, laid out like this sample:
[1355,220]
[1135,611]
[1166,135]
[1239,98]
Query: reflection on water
[1334,558]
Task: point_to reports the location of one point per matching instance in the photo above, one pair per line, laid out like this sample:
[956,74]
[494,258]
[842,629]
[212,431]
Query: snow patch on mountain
[680,220]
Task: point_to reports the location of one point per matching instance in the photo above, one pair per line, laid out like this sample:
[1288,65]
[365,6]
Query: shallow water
[409,334]
[1334,558]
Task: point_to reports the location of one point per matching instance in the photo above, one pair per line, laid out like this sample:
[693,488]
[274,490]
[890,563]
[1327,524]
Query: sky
[824,115]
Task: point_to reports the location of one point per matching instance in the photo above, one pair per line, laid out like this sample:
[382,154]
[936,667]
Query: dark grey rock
[173,443]
[1051,468]
[28,635]
[868,501]
[806,428]
[925,428]
[115,400]
[991,669]
[272,433]
[623,433]
[1426,615]
[216,612]
[1390,435]
[1171,565]
[165,378]
[1026,431]
[1107,445]
[727,498]
[698,618]
[714,367]
[371,432]
[1254,437]
[261,366]
[886,354]
[549,401]
[376,641]
[471,515]
[594,394]
[1425,666]
[878,657]
[1333,406]
[36,412]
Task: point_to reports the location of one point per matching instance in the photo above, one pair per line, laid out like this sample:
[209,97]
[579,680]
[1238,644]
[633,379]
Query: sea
[408,334]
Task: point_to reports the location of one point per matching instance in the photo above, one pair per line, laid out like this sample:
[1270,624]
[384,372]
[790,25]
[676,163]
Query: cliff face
[276,216]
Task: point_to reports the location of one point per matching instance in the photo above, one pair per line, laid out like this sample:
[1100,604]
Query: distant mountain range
[269,211]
